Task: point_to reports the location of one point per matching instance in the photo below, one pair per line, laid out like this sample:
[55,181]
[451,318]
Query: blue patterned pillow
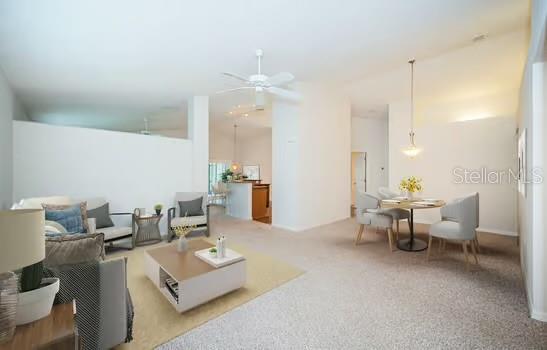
[70,218]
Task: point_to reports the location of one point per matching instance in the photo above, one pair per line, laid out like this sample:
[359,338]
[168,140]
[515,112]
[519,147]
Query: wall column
[198,133]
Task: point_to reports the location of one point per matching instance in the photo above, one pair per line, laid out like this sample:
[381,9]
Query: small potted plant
[158,208]
[213,252]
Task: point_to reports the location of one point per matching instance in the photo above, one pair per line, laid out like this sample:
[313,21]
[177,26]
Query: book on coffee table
[230,258]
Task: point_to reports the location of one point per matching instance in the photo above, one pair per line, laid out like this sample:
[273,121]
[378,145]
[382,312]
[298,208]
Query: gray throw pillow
[101,216]
[191,208]
[74,249]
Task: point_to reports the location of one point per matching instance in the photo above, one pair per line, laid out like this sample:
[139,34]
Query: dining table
[411,244]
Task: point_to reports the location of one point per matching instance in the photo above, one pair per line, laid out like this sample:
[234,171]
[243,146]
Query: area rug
[157,322]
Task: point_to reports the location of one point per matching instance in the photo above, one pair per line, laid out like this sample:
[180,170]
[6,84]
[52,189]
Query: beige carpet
[156,321]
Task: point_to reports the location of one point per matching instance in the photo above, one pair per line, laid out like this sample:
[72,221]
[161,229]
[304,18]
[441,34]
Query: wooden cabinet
[261,201]
[56,331]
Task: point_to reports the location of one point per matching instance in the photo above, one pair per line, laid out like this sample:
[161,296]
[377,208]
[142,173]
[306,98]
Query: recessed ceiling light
[246,115]
[479,37]
[230,112]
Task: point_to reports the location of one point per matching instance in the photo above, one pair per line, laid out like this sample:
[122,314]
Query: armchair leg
[473,250]
[476,242]
[429,247]
[390,238]
[359,234]
[464,245]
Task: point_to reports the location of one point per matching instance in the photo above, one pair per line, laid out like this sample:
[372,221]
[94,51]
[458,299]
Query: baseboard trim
[538,315]
[305,228]
[498,232]
[480,229]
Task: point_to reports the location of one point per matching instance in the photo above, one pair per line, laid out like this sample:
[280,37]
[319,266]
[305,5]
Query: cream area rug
[157,322]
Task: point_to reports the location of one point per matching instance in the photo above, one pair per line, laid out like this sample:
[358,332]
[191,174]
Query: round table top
[416,203]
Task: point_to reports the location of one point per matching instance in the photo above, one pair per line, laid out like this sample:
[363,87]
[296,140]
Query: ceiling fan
[262,83]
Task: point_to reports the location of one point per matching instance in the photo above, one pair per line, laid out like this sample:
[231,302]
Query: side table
[148,229]
[56,331]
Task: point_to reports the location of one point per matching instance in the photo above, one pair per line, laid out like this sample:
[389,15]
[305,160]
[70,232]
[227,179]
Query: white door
[358,174]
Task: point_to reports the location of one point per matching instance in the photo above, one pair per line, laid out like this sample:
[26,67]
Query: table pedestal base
[412,245]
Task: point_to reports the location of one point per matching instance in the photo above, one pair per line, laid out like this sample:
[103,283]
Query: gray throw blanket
[81,282]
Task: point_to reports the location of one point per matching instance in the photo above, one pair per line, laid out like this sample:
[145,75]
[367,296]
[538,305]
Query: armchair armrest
[113,294]
[170,216]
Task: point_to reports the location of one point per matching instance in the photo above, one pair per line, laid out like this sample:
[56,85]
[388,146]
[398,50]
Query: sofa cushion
[70,218]
[101,216]
[191,208]
[83,211]
[115,232]
[74,249]
[189,221]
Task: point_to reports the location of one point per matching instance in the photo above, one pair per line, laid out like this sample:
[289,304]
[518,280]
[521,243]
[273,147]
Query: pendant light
[411,150]
[235,164]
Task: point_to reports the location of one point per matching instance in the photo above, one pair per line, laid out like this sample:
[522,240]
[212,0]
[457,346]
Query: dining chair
[397,214]
[387,193]
[459,221]
[368,213]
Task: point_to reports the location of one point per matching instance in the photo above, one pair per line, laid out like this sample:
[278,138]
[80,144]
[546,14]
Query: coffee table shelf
[198,282]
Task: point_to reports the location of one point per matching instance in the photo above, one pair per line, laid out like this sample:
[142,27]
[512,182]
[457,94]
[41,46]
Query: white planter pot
[36,304]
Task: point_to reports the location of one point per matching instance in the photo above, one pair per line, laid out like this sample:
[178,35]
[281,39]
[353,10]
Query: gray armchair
[175,218]
[368,212]
[397,214]
[459,221]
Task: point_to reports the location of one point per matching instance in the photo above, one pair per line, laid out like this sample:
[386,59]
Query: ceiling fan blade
[281,78]
[236,76]
[235,89]
[288,94]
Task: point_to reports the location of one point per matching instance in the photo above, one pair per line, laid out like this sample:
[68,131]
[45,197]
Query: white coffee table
[198,282]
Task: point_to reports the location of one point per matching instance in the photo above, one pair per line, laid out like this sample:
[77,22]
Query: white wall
[370,135]
[221,145]
[531,208]
[256,149]
[488,143]
[130,170]
[311,158]
[6,154]
[198,133]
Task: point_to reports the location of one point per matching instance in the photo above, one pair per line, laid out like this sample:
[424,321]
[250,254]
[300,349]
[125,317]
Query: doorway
[358,174]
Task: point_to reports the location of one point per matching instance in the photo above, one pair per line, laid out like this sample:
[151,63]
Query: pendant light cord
[412,100]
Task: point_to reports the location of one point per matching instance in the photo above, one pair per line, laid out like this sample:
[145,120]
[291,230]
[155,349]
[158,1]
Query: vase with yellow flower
[411,185]
[181,232]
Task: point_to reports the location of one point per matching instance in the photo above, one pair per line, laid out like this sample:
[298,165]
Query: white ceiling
[94,61]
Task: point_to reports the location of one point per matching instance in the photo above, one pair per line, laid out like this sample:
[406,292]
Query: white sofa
[174,218]
[121,229]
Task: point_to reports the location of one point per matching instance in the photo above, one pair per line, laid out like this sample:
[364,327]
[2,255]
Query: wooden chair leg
[359,233]
[390,238]
[429,247]
[473,250]
[476,241]
[464,245]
